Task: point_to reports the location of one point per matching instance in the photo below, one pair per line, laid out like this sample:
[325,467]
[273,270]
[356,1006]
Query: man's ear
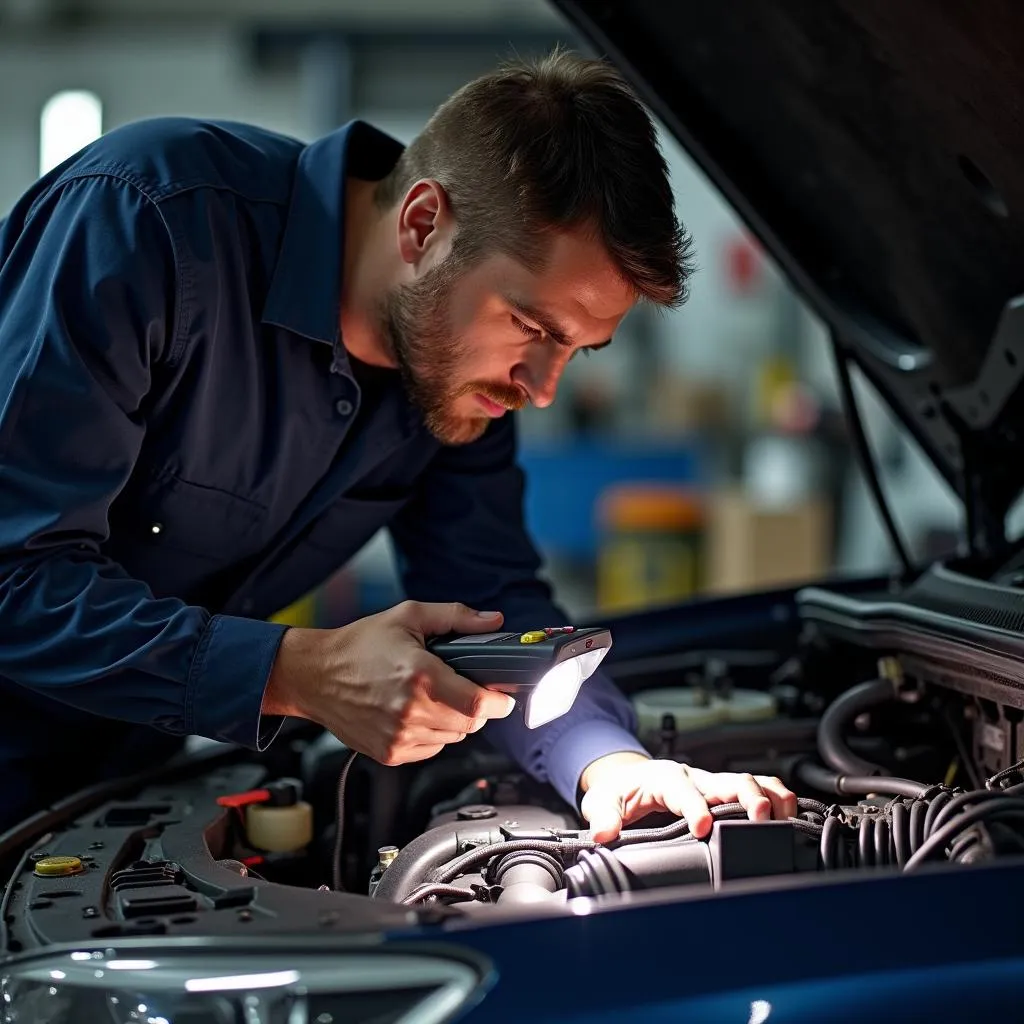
[425,223]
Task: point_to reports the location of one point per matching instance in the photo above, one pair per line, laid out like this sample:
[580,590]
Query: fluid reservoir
[663,715]
[284,824]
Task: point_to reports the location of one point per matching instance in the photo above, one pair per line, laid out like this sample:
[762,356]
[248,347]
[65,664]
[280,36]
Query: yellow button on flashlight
[533,637]
[56,867]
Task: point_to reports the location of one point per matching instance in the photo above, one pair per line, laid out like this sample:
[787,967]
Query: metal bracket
[980,403]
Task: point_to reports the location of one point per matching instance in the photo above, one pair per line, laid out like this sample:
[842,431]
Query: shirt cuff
[229,673]
[579,747]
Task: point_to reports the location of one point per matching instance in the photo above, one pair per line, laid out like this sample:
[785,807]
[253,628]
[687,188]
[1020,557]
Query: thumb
[451,617]
[602,808]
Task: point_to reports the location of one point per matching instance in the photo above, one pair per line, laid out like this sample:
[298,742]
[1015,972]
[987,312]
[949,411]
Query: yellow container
[651,550]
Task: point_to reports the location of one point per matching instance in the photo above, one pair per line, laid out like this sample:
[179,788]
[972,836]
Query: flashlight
[542,668]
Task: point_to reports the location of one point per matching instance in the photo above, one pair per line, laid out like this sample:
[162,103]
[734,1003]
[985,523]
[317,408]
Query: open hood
[876,149]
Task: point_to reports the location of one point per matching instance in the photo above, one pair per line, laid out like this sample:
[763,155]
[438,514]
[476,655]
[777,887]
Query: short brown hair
[553,144]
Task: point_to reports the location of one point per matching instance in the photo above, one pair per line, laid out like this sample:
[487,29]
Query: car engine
[904,757]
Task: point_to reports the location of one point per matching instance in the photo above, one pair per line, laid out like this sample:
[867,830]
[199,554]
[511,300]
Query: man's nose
[539,376]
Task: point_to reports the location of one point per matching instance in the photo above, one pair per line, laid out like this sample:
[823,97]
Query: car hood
[877,151]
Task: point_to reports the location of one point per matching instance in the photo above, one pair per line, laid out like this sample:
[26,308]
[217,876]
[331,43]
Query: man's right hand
[375,686]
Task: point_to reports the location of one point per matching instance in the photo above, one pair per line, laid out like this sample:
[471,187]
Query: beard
[415,323]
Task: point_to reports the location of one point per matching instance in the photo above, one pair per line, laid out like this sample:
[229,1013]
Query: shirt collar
[305,289]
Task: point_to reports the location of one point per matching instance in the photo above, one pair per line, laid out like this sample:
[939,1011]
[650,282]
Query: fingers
[602,808]
[783,801]
[472,702]
[452,617]
[686,800]
[751,797]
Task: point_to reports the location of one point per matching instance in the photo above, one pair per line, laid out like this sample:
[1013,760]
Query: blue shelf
[564,481]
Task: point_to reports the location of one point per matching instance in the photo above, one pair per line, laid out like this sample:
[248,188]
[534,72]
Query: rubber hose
[856,785]
[901,833]
[882,847]
[837,716]
[832,849]
[865,844]
[601,872]
[530,876]
[952,807]
[941,838]
[408,870]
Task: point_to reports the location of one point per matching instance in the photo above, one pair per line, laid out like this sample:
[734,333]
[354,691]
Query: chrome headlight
[271,985]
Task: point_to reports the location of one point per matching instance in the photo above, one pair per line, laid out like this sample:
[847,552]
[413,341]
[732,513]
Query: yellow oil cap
[55,867]
[533,637]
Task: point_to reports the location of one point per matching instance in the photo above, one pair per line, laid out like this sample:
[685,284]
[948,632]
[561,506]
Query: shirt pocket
[176,535]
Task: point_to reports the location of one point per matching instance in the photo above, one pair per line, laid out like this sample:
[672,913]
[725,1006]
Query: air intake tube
[601,871]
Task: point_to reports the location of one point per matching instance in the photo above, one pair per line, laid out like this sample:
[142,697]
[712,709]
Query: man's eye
[530,332]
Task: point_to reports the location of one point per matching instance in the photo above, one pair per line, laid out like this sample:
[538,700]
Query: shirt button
[156,528]
[343,407]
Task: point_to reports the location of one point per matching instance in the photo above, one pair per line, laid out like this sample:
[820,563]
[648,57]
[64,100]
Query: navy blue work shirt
[184,450]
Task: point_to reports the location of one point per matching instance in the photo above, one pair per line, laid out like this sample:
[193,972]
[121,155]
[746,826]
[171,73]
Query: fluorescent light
[234,982]
[69,121]
[131,965]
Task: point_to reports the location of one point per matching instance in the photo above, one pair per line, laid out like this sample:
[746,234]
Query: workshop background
[704,452]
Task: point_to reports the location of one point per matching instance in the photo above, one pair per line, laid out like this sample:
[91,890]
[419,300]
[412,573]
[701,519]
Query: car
[875,151]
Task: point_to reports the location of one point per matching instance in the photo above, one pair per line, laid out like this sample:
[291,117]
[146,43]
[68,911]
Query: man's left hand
[622,788]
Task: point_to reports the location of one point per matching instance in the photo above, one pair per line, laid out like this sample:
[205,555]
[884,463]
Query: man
[227,359]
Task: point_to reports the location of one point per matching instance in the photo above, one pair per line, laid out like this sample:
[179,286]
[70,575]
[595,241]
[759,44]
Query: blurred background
[703,453]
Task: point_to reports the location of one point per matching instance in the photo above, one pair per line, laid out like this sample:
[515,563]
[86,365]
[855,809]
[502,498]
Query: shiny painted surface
[939,947]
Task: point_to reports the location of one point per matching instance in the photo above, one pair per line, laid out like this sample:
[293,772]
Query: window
[69,121]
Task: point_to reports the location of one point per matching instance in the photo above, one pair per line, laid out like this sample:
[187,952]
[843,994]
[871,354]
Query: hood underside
[877,151]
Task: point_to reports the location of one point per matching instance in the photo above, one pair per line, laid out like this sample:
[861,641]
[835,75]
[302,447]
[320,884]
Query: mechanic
[228,358]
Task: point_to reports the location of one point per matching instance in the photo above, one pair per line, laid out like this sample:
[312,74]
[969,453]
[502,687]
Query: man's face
[476,342]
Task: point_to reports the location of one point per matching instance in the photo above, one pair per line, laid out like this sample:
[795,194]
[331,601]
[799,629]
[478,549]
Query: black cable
[941,838]
[338,835]
[934,807]
[953,806]
[805,803]
[862,450]
[1014,769]
[437,890]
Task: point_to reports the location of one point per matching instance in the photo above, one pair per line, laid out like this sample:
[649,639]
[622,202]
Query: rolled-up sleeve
[462,538]
[88,305]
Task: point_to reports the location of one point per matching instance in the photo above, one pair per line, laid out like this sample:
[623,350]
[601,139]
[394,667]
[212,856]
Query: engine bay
[901,760]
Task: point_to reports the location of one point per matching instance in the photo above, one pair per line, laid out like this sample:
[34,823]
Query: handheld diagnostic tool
[542,668]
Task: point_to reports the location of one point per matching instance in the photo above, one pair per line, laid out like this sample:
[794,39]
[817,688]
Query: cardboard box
[751,547]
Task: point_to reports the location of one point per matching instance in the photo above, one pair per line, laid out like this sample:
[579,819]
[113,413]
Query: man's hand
[620,788]
[373,684]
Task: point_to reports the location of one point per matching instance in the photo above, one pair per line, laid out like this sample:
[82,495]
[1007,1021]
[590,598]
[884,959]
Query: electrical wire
[436,890]
[1014,769]
[340,831]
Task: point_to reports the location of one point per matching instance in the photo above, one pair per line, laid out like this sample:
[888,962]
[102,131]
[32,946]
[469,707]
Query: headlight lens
[216,987]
